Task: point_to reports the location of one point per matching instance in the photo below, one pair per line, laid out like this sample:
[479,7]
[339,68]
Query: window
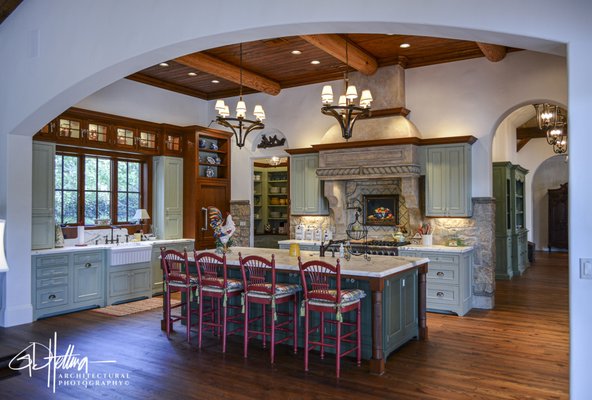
[128,189]
[90,188]
[97,189]
[66,189]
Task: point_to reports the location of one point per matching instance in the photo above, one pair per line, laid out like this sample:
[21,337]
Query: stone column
[241,215]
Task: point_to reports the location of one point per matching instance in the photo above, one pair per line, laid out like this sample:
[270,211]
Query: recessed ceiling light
[404,45]
[296,52]
[163,64]
[215,81]
[315,62]
[191,74]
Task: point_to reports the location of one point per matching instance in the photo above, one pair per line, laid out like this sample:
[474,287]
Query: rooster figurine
[223,229]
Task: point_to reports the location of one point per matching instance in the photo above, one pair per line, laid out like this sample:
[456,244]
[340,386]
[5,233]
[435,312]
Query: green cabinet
[270,198]
[511,236]
[129,282]
[306,189]
[449,278]
[448,180]
[43,220]
[400,322]
[66,282]
[167,210]
[157,273]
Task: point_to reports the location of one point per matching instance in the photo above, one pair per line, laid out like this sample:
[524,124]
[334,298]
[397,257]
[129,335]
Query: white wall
[41,80]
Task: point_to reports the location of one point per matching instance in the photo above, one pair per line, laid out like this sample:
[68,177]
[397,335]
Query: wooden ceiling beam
[493,52]
[335,45]
[230,72]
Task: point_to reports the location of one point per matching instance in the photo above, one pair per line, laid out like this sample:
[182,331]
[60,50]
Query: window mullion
[113,194]
[81,189]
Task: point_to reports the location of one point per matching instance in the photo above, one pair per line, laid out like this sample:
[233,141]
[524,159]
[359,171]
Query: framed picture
[381,210]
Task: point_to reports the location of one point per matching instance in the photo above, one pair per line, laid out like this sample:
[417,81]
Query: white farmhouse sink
[130,253]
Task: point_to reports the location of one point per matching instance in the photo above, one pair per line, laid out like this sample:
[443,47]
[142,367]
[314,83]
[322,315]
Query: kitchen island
[394,310]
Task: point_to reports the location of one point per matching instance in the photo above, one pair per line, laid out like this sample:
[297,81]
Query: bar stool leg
[359,334]
[200,323]
[306,333]
[246,327]
[295,324]
[322,335]
[338,348]
[264,338]
[272,333]
[224,310]
[188,310]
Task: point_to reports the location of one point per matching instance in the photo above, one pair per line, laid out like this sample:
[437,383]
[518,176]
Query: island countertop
[356,266]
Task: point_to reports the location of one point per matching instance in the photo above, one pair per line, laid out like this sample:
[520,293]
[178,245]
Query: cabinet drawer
[53,281]
[84,258]
[52,297]
[50,261]
[52,271]
[443,274]
[442,295]
[440,258]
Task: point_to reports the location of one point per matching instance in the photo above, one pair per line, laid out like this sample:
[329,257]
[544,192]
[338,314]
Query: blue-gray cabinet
[449,277]
[43,220]
[128,282]
[400,310]
[65,282]
[306,189]
[167,210]
[448,180]
[157,274]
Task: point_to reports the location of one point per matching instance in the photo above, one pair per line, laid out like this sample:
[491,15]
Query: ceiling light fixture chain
[240,125]
[346,112]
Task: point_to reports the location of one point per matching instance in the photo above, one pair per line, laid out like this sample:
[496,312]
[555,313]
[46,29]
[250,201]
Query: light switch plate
[585,268]
[242,223]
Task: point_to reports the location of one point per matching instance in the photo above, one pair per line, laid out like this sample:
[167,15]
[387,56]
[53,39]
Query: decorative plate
[210,172]
[213,146]
[210,160]
[202,144]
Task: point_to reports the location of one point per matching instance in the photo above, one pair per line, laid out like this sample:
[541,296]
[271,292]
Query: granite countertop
[377,267]
[439,248]
[131,245]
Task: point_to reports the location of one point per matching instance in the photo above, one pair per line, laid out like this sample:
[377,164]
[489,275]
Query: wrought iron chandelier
[240,125]
[552,120]
[346,112]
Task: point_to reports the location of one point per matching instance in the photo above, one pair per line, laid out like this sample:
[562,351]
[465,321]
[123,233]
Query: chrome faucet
[112,240]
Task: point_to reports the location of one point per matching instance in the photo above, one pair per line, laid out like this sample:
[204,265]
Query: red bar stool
[320,297]
[259,280]
[177,279]
[215,285]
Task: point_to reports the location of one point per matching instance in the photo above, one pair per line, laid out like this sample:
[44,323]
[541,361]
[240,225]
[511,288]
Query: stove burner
[386,243]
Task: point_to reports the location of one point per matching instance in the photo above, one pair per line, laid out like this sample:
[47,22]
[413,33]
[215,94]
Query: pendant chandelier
[346,112]
[552,120]
[240,125]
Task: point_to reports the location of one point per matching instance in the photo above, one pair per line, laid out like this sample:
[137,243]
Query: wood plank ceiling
[269,65]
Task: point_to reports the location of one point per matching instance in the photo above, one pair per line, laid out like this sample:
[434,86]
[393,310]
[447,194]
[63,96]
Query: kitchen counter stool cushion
[177,279]
[317,278]
[215,285]
[259,277]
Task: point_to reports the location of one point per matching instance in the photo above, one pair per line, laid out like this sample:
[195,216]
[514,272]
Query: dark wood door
[210,194]
[558,214]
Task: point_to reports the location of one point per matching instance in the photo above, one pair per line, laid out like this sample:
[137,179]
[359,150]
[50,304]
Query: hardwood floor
[517,351]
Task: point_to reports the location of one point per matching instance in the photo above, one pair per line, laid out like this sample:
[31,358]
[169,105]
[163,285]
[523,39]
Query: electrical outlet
[242,223]
[585,268]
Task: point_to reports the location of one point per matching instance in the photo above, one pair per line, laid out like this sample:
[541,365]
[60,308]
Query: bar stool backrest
[211,269]
[315,276]
[175,265]
[255,269]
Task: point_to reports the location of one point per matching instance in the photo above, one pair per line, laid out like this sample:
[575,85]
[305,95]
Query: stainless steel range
[371,247]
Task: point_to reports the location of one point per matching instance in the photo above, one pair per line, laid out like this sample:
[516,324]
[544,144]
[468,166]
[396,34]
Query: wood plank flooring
[517,351]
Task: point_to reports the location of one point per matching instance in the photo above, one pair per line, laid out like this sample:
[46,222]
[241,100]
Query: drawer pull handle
[87,265]
[440,294]
[440,273]
[52,296]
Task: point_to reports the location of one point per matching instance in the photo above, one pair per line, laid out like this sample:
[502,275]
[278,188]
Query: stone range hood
[352,170]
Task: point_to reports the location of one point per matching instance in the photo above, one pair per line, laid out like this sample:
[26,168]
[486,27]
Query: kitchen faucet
[323,248]
[107,240]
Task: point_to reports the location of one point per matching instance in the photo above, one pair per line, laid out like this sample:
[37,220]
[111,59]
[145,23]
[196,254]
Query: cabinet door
[458,180]
[211,194]
[312,187]
[88,282]
[297,180]
[119,283]
[436,172]
[140,281]
[43,220]
[306,190]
